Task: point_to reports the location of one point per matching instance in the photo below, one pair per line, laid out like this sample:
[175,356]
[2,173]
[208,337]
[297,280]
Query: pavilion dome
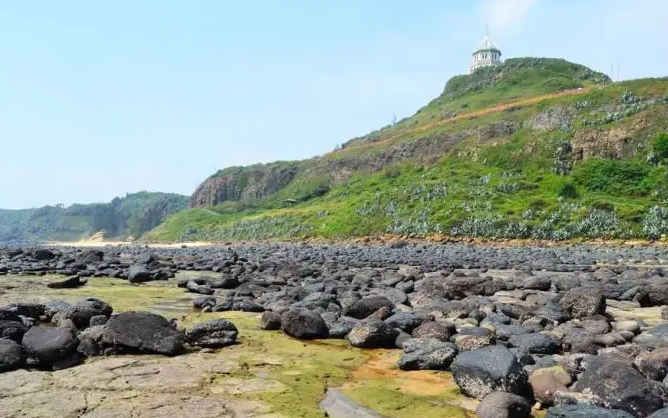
[486,45]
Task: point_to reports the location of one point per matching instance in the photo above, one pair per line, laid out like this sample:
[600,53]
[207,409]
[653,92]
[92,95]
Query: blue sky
[100,98]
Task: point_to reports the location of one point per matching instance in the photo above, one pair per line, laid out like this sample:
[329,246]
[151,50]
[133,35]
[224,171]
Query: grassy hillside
[131,215]
[502,153]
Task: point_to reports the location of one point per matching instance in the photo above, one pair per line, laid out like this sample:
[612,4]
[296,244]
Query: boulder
[503,405]
[138,274]
[141,332]
[489,369]
[50,348]
[535,343]
[373,334]
[212,334]
[342,327]
[546,382]
[69,283]
[270,321]
[405,321]
[365,307]
[583,302]
[585,411]
[13,329]
[202,302]
[431,330]
[430,354]
[11,355]
[82,312]
[653,365]
[199,288]
[620,386]
[304,324]
[661,413]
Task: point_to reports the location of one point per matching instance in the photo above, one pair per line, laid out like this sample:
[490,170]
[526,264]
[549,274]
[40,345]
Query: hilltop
[129,216]
[538,148]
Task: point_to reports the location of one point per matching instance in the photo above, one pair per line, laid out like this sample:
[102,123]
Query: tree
[394,119]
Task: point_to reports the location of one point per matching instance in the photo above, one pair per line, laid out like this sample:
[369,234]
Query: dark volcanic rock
[620,386]
[51,348]
[304,324]
[535,343]
[270,321]
[11,355]
[69,283]
[373,334]
[431,355]
[431,330]
[138,274]
[141,332]
[81,313]
[489,369]
[585,411]
[503,405]
[213,334]
[405,321]
[583,302]
[365,307]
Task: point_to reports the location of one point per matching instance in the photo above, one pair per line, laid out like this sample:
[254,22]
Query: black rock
[304,324]
[69,283]
[270,321]
[139,274]
[431,355]
[584,302]
[11,355]
[141,332]
[503,405]
[585,411]
[365,307]
[535,343]
[405,321]
[620,386]
[212,334]
[50,348]
[201,302]
[373,334]
[432,330]
[489,369]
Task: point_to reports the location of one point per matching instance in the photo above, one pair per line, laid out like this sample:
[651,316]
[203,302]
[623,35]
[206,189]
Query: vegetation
[129,216]
[542,170]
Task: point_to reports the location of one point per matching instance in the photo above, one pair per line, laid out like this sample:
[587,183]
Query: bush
[660,145]
[612,176]
[568,191]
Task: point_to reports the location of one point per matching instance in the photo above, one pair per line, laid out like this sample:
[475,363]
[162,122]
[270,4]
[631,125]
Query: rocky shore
[580,330]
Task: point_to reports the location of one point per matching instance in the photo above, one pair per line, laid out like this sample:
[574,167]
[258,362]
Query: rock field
[558,331]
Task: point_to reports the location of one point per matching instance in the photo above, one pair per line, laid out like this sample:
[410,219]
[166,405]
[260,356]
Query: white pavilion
[485,55]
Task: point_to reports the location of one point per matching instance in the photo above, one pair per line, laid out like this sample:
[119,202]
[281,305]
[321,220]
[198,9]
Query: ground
[266,375]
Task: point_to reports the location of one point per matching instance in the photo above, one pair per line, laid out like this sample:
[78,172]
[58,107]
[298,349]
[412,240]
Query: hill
[539,148]
[131,215]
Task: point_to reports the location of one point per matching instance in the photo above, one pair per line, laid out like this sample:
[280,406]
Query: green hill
[131,215]
[538,148]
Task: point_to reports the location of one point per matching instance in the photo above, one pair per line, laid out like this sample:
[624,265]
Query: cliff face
[245,183]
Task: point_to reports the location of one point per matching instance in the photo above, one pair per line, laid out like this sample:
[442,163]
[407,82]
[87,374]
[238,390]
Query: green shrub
[660,145]
[568,191]
[612,176]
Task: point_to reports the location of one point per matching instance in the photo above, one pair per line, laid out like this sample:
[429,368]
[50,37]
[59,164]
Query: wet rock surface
[548,324]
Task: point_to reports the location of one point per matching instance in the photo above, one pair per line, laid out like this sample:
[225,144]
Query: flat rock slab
[128,386]
[337,405]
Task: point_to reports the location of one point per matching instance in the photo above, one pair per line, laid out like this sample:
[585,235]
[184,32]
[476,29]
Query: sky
[100,98]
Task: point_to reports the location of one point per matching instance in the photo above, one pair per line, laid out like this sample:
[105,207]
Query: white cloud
[504,15]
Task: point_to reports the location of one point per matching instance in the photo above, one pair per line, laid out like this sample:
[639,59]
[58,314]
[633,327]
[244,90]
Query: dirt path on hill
[474,114]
